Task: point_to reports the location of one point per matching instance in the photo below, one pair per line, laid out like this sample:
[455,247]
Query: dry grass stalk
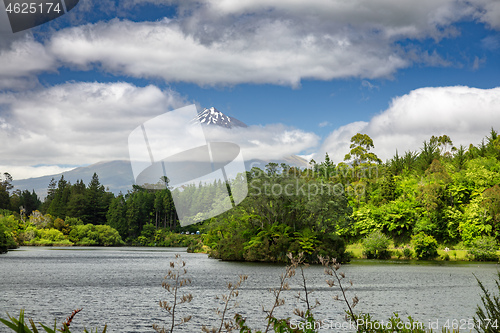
[227,324]
[284,285]
[299,262]
[172,282]
[331,269]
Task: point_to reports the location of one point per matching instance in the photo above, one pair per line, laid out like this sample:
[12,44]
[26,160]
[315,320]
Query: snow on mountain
[212,116]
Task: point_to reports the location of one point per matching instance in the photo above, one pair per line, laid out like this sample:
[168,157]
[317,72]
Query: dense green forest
[441,194]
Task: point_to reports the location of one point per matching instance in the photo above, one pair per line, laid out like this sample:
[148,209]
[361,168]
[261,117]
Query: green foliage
[393,325]
[95,235]
[6,239]
[360,146]
[41,230]
[47,237]
[284,212]
[484,249]
[407,253]
[20,326]
[388,188]
[5,187]
[449,193]
[425,246]
[487,319]
[375,246]
[475,222]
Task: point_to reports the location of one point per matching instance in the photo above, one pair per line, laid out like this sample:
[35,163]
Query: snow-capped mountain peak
[212,116]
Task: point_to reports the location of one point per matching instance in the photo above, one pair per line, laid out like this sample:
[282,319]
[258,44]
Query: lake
[121,287]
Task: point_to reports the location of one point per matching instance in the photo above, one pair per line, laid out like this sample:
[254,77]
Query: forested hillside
[441,193]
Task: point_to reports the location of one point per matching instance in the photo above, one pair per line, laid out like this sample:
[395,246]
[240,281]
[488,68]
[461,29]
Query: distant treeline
[449,193]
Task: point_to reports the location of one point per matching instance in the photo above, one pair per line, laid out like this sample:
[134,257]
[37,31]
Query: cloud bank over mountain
[84,123]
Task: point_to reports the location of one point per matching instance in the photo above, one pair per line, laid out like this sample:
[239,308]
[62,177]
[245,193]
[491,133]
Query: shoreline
[355,261]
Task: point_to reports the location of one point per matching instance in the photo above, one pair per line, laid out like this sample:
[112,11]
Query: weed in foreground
[229,303]
[173,281]
[19,325]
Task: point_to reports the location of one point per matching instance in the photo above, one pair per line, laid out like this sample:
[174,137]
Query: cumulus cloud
[84,123]
[76,123]
[273,141]
[22,60]
[227,42]
[464,114]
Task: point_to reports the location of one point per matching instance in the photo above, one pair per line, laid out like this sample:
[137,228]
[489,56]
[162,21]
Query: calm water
[122,286]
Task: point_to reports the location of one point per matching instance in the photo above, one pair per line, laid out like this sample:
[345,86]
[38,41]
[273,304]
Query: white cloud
[22,60]
[337,143]
[230,42]
[273,141]
[324,124]
[76,123]
[22,171]
[392,18]
[84,123]
[489,12]
[464,114]
[275,52]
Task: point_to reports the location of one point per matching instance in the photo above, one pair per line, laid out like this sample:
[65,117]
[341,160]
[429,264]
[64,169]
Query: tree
[116,216]
[441,141]
[59,202]
[491,202]
[5,187]
[388,187]
[396,164]
[459,158]
[428,153]
[76,203]
[96,202]
[494,144]
[360,146]
[425,246]
[327,168]
[29,201]
[375,246]
[272,169]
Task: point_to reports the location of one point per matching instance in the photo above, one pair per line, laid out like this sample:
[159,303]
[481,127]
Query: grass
[455,255]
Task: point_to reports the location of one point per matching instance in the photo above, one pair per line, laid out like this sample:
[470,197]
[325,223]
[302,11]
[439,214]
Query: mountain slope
[212,116]
[114,175]
[117,176]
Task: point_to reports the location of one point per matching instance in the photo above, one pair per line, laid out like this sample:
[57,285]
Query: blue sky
[305,75]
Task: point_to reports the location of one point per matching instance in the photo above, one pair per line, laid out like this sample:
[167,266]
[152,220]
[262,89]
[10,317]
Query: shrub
[484,249]
[6,239]
[375,246]
[407,253]
[425,246]
[89,235]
